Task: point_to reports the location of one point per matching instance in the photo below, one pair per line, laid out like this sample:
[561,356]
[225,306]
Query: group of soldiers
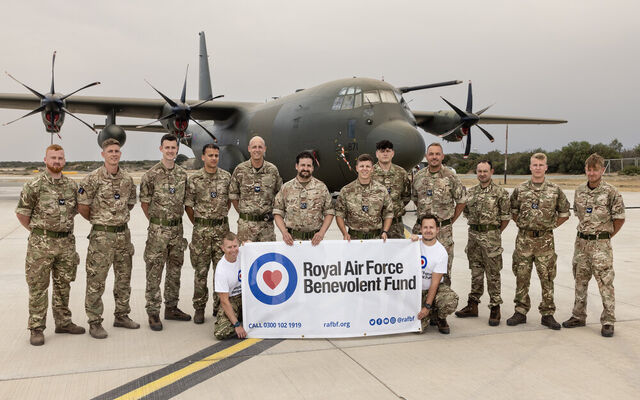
[370,207]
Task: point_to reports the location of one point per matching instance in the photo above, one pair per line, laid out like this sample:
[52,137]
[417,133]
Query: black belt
[301,235]
[210,222]
[166,222]
[112,229]
[534,234]
[601,235]
[483,228]
[50,234]
[257,218]
[374,234]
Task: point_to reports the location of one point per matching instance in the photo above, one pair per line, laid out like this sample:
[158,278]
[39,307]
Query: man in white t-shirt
[438,299]
[228,288]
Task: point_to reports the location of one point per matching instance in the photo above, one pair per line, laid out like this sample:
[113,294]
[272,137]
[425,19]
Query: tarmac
[185,361]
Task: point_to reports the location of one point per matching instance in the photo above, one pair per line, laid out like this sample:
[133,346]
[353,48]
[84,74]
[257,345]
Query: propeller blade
[79,119]
[53,64]
[40,95]
[458,111]
[467,148]
[469,99]
[451,131]
[82,88]
[205,129]
[407,89]
[183,96]
[37,110]
[168,100]
[487,134]
[158,120]
[484,109]
[207,100]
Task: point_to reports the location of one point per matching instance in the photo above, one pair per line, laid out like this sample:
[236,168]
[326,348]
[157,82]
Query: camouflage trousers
[256,231]
[223,328]
[55,259]
[397,230]
[540,250]
[205,251]
[444,304]
[165,245]
[106,249]
[484,252]
[445,237]
[594,257]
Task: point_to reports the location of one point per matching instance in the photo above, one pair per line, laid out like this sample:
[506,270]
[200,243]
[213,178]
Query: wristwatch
[385,232]
[427,306]
[237,324]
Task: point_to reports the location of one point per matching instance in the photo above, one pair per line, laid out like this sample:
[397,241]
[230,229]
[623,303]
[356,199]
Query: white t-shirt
[227,279]
[434,259]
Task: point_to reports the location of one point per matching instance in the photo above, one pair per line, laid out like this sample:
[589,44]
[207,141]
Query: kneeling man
[228,288]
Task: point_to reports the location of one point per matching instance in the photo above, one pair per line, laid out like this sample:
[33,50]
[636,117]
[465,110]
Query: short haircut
[364,157]
[230,236]
[384,144]
[210,146]
[485,161]
[594,161]
[304,154]
[170,137]
[110,142]
[429,216]
[53,147]
[540,156]
[435,144]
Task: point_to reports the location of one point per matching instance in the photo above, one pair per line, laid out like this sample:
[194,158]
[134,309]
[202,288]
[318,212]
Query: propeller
[52,105]
[467,119]
[180,113]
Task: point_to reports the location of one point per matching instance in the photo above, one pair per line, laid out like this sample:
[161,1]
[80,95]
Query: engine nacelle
[112,132]
[52,120]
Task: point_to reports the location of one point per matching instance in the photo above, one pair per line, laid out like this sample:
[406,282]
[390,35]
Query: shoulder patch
[81,190]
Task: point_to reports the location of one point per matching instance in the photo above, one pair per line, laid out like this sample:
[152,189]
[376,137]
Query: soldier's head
[257,148]
[384,152]
[54,158]
[484,171]
[434,156]
[594,168]
[111,152]
[364,167]
[169,147]
[211,156]
[304,165]
[538,166]
[230,246]
[429,227]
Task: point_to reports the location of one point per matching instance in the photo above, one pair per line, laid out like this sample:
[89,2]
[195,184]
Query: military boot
[97,331]
[550,322]
[37,337]
[494,317]
[606,331]
[470,310]
[198,317]
[70,328]
[176,314]
[443,327]
[517,319]
[573,322]
[154,322]
[125,322]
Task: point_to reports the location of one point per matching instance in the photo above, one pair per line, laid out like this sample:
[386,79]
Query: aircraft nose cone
[407,142]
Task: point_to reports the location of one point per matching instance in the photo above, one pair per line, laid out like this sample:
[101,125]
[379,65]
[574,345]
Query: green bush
[630,170]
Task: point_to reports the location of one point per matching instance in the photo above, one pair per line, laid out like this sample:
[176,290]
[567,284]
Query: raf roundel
[423,262]
[272,278]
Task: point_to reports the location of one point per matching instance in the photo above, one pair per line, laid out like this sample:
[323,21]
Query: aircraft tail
[204,78]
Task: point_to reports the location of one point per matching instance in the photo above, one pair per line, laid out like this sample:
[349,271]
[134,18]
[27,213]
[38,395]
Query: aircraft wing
[136,128]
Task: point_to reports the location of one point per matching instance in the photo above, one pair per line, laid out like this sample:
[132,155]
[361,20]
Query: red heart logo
[272,278]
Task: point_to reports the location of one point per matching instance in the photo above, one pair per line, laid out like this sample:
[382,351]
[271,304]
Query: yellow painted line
[188,370]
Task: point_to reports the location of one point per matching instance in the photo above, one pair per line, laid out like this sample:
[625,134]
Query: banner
[335,289]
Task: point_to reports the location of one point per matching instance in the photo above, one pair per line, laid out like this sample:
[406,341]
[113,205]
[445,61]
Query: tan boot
[176,314]
[198,317]
[517,319]
[470,310]
[573,322]
[443,327]
[70,328]
[37,337]
[125,322]
[494,317]
[606,331]
[97,331]
[550,322]
[154,322]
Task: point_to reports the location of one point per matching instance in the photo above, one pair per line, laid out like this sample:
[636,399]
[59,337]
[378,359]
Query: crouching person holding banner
[228,288]
[438,299]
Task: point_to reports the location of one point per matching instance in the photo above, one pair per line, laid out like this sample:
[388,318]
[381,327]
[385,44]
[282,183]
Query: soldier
[207,205]
[600,209]
[46,208]
[396,180]
[537,206]
[229,289]
[488,214]
[162,193]
[436,190]
[254,184]
[364,205]
[438,299]
[303,209]
[105,198]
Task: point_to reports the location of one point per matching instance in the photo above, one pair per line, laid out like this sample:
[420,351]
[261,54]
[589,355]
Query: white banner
[335,289]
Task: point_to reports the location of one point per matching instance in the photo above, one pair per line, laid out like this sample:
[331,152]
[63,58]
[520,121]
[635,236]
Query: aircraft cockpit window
[371,97]
[388,96]
[348,98]
[337,103]
[343,91]
[358,100]
[351,90]
[347,104]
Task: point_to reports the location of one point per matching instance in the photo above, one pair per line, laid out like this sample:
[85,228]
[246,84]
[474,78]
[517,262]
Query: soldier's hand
[346,237]
[317,238]
[424,312]
[415,238]
[241,332]
[288,239]
[383,235]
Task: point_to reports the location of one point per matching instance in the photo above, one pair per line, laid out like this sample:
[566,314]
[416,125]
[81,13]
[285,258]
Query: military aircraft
[337,121]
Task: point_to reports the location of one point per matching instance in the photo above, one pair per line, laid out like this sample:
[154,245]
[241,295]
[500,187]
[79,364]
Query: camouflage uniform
[536,207]
[303,207]
[51,251]
[255,190]
[437,194]
[596,209]
[109,198]
[485,210]
[444,304]
[396,180]
[164,190]
[363,208]
[208,195]
[223,328]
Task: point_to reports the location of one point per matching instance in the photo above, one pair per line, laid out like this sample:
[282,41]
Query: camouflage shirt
[208,194]
[537,208]
[255,189]
[396,180]
[363,207]
[109,196]
[596,209]
[487,206]
[437,193]
[164,190]
[51,203]
[303,207]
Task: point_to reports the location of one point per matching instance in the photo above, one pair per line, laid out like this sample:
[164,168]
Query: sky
[573,60]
